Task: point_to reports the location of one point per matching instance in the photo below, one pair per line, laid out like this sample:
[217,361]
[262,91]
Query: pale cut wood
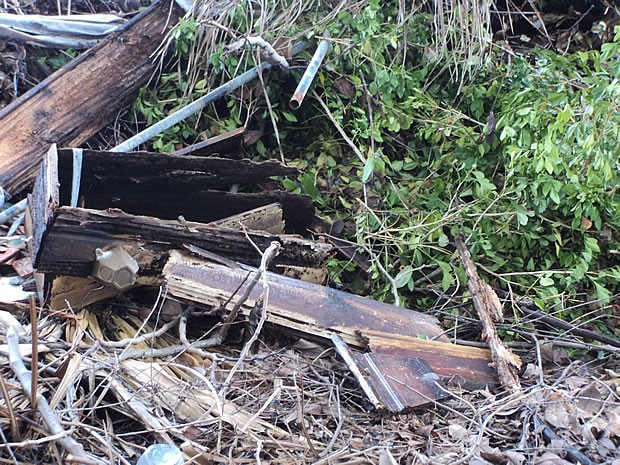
[84,96]
[267,219]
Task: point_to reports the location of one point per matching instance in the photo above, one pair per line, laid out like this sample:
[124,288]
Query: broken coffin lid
[405,368]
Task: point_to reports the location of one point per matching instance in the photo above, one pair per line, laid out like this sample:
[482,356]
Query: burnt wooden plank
[81,98]
[210,206]
[71,237]
[467,366]
[392,383]
[169,186]
[206,206]
[124,172]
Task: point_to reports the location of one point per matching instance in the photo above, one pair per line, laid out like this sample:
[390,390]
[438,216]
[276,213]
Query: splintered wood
[65,239]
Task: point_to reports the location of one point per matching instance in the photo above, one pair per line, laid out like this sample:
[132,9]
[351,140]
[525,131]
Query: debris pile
[177,299]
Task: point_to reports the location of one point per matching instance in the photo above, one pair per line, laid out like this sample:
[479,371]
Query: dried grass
[289,402]
[462,28]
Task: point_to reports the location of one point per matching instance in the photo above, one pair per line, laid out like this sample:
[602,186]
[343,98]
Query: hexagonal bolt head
[116,267]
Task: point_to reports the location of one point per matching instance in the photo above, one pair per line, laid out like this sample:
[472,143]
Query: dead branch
[269,254]
[257,41]
[489,309]
[528,307]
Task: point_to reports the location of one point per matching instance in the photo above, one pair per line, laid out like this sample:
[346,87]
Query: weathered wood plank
[392,383]
[227,143]
[44,199]
[267,218]
[84,96]
[467,366]
[296,305]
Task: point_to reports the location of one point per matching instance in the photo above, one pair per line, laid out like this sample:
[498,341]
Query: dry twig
[75,450]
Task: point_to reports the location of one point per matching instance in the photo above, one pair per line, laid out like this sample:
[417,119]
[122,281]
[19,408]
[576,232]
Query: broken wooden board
[296,305]
[81,98]
[41,203]
[169,186]
[469,367]
[268,219]
[68,247]
[121,172]
[68,244]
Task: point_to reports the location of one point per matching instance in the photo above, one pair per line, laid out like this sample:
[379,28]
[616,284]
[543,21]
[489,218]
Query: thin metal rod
[309,74]
[198,105]
[345,353]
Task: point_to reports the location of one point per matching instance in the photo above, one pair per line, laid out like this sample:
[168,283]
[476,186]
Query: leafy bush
[523,160]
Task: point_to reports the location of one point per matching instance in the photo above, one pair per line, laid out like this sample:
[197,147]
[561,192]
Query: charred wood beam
[101,169]
[169,186]
[203,206]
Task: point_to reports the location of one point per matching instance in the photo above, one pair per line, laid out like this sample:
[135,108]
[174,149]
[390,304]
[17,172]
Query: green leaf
[554,196]
[403,277]
[369,168]
[521,215]
[289,117]
[447,279]
[309,185]
[546,281]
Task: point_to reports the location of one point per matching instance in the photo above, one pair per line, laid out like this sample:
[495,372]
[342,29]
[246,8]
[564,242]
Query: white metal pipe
[309,74]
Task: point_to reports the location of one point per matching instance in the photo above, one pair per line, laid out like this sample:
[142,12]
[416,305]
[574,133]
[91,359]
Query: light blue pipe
[309,74]
[198,105]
